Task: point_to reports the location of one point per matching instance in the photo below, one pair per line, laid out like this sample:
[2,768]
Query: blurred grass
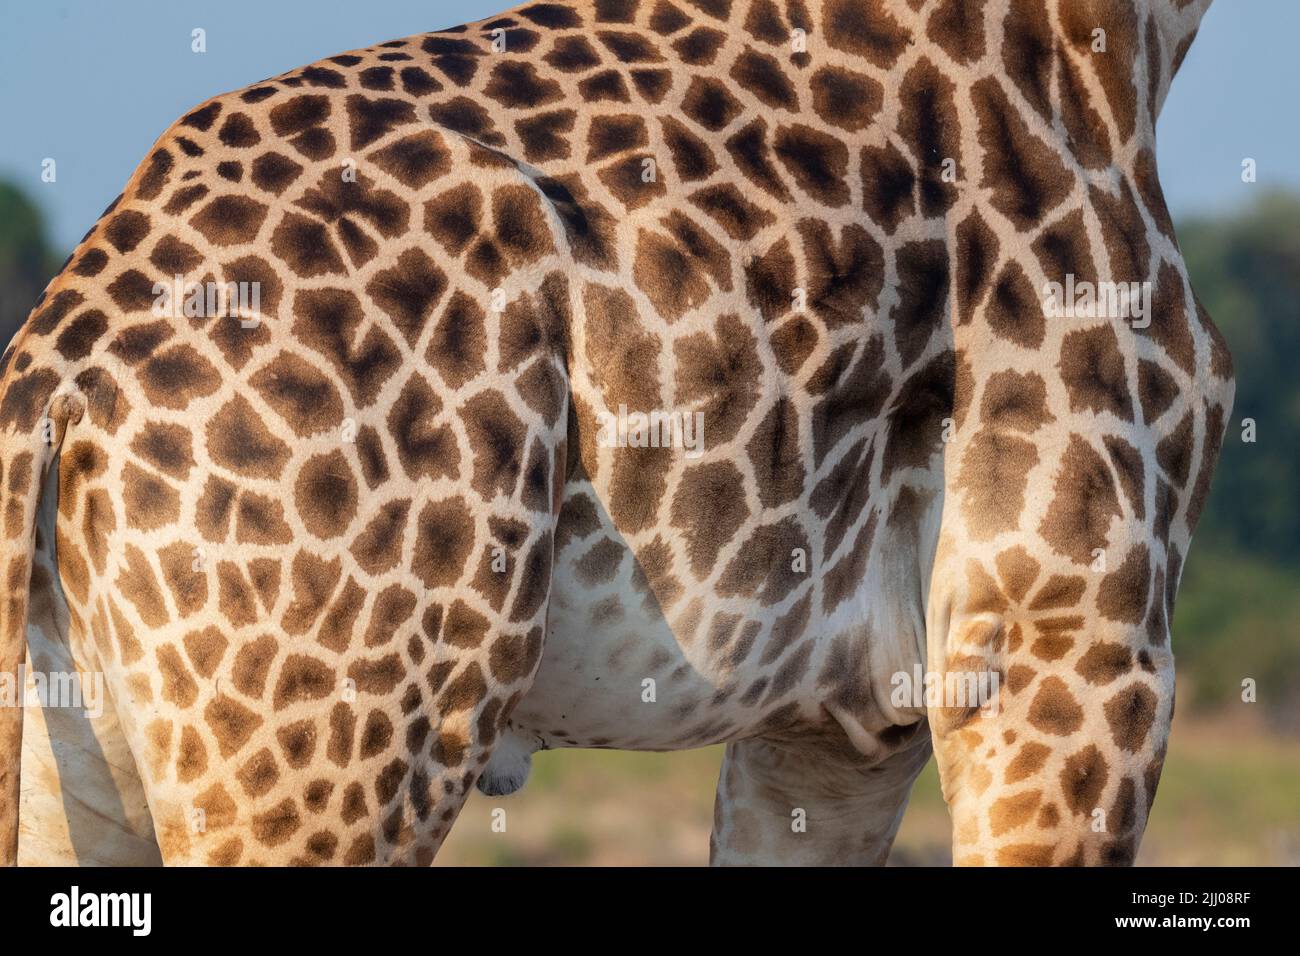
[1229,796]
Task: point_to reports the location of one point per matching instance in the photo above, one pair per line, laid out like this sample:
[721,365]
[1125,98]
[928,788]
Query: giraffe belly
[636,660]
[648,684]
[614,674]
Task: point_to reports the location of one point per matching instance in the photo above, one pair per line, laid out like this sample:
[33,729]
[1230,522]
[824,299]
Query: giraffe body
[340,564]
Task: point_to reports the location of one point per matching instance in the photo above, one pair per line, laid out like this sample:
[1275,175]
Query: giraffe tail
[34,414]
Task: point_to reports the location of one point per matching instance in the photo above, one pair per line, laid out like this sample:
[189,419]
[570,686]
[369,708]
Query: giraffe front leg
[1048,625]
[1085,438]
[781,804]
[1059,765]
[1051,676]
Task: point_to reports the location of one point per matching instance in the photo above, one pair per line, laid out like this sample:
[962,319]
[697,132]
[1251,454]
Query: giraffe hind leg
[319,676]
[315,550]
[82,802]
[783,804]
[364,758]
[353,733]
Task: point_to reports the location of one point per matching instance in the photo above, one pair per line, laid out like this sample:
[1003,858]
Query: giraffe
[342,557]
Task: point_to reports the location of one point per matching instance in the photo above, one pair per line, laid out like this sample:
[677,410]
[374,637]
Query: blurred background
[92,84]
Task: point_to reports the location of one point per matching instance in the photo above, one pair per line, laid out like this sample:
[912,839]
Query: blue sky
[93,83]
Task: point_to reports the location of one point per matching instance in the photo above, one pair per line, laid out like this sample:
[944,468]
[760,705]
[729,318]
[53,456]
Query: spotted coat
[329,561]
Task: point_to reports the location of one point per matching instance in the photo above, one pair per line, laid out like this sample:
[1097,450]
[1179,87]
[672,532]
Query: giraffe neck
[1146,39]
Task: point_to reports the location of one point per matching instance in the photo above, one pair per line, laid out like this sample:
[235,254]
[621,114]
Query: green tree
[1238,614]
[1246,270]
[27,263]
